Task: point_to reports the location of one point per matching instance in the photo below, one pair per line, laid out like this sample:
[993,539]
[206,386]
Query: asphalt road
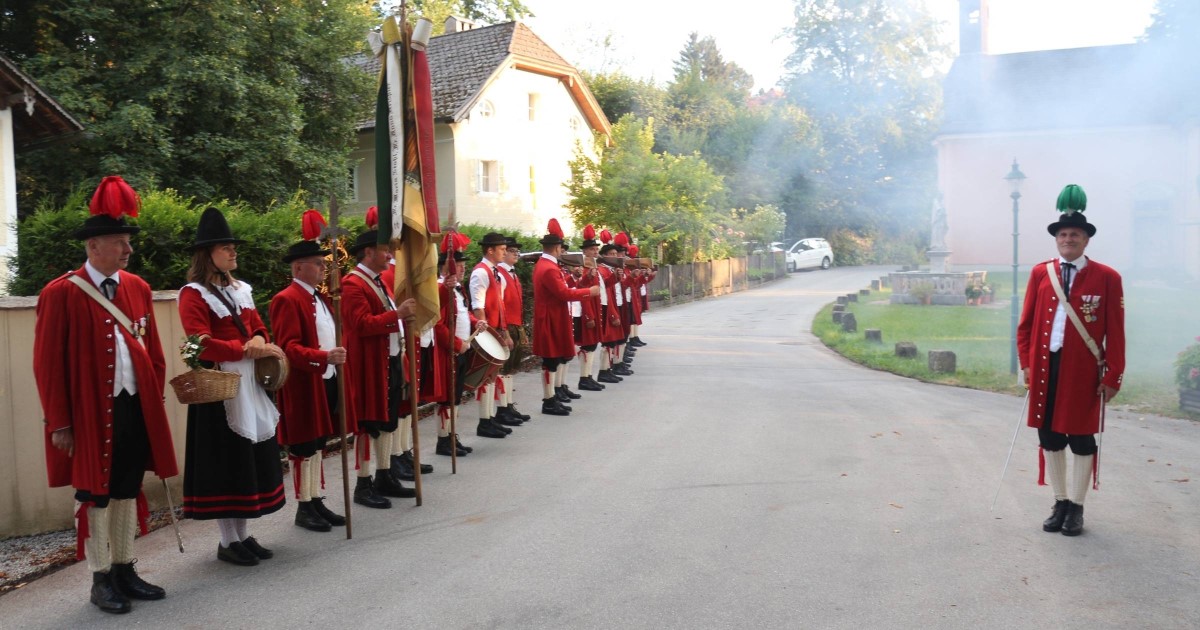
[745,477]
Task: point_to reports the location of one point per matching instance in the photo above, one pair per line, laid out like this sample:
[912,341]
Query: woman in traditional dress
[232,469]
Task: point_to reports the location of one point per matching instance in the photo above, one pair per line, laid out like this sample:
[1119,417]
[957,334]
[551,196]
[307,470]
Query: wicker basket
[204,386]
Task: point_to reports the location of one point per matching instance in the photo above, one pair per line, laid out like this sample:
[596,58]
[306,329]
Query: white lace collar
[241,293]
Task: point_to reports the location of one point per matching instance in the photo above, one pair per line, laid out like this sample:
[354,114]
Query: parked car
[808,253]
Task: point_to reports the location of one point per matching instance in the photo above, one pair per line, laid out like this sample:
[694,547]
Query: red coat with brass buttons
[1098,298]
[74,360]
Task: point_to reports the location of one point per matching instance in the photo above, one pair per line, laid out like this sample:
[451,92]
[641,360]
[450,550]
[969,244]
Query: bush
[1187,367]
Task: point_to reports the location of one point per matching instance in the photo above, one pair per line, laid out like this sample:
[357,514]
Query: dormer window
[486,110]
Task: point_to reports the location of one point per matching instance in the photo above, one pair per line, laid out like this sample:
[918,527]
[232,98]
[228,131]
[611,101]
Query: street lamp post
[1014,178]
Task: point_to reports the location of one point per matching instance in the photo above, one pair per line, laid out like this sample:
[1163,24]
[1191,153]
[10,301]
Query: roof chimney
[972,26]
[458,24]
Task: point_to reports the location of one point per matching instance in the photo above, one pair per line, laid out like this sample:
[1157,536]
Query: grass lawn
[1160,322]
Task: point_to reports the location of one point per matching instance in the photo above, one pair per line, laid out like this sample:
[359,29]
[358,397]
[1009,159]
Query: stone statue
[938,226]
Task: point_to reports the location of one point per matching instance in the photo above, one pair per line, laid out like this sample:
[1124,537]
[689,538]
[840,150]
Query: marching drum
[487,355]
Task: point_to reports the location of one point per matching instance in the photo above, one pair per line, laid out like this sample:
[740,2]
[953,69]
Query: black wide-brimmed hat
[513,243]
[608,248]
[364,240]
[492,239]
[304,249]
[458,256]
[102,224]
[213,230]
[1075,219]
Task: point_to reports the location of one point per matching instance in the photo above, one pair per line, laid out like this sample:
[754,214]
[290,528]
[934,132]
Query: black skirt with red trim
[226,475]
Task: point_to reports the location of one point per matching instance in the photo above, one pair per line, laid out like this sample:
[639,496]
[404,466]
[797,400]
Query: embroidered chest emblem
[1089,306]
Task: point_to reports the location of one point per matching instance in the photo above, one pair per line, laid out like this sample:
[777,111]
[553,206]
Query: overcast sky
[647,35]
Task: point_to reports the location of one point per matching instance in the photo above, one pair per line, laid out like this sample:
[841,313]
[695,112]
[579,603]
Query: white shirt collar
[364,269]
[97,277]
[1079,263]
[304,285]
[549,257]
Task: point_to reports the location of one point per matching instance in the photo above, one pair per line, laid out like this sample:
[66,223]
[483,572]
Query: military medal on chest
[1088,308]
[138,326]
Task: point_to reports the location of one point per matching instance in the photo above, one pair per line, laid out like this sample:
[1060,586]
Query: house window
[575,124]
[486,110]
[532,188]
[352,194]
[533,106]
[488,176]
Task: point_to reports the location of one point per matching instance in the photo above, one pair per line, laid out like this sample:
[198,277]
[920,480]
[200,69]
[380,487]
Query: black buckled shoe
[443,447]
[606,376]
[553,407]
[1073,524]
[512,409]
[131,585]
[588,385]
[1057,515]
[308,518]
[488,429]
[365,495]
[259,551]
[570,394]
[389,486]
[331,517]
[236,553]
[106,596]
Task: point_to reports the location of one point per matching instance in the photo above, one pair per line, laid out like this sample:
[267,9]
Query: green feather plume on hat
[1072,199]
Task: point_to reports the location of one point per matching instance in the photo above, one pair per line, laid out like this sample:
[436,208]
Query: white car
[808,253]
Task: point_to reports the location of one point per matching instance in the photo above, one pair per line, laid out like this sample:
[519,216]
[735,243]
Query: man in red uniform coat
[1068,383]
[552,336]
[612,333]
[303,327]
[374,370]
[100,380]
[587,325]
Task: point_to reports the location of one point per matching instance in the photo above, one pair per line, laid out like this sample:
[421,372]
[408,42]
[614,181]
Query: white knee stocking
[123,528]
[1056,470]
[1081,477]
[96,546]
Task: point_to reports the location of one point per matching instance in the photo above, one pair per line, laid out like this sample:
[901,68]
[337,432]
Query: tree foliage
[436,11]
[236,99]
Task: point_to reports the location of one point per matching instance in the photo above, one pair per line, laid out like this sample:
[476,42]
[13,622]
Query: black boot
[620,369]
[588,385]
[458,441]
[553,407]
[606,376]
[1057,515]
[106,596]
[503,417]
[308,518]
[499,427]
[560,395]
[337,520]
[388,486]
[1073,524]
[636,342]
[489,430]
[407,456]
[364,494]
[512,409]
[402,470]
[443,447]
[570,394]
[131,585]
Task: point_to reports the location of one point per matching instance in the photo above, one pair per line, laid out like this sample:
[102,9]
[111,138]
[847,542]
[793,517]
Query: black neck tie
[1067,268]
[109,286]
[387,301]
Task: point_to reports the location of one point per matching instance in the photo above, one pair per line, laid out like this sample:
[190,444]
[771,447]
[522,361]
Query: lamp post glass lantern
[1014,178]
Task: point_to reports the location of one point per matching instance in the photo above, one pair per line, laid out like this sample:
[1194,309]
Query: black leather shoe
[636,342]
[517,414]
[621,369]
[561,396]
[105,595]
[131,585]
[307,517]
[570,394]
[236,553]
[588,385]
[630,350]
[1057,515]
[499,427]
[259,551]
[552,407]
[365,495]
[402,470]
[337,520]
[606,376]
[443,447]
[504,418]
[459,442]
[407,456]
[388,486]
[1073,524]
[488,429]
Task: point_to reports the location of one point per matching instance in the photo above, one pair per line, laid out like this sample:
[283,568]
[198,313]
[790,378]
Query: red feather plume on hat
[622,239]
[372,217]
[589,232]
[554,228]
[605,237]
[114,197]
[311,224]
[633,251]
[456,240]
